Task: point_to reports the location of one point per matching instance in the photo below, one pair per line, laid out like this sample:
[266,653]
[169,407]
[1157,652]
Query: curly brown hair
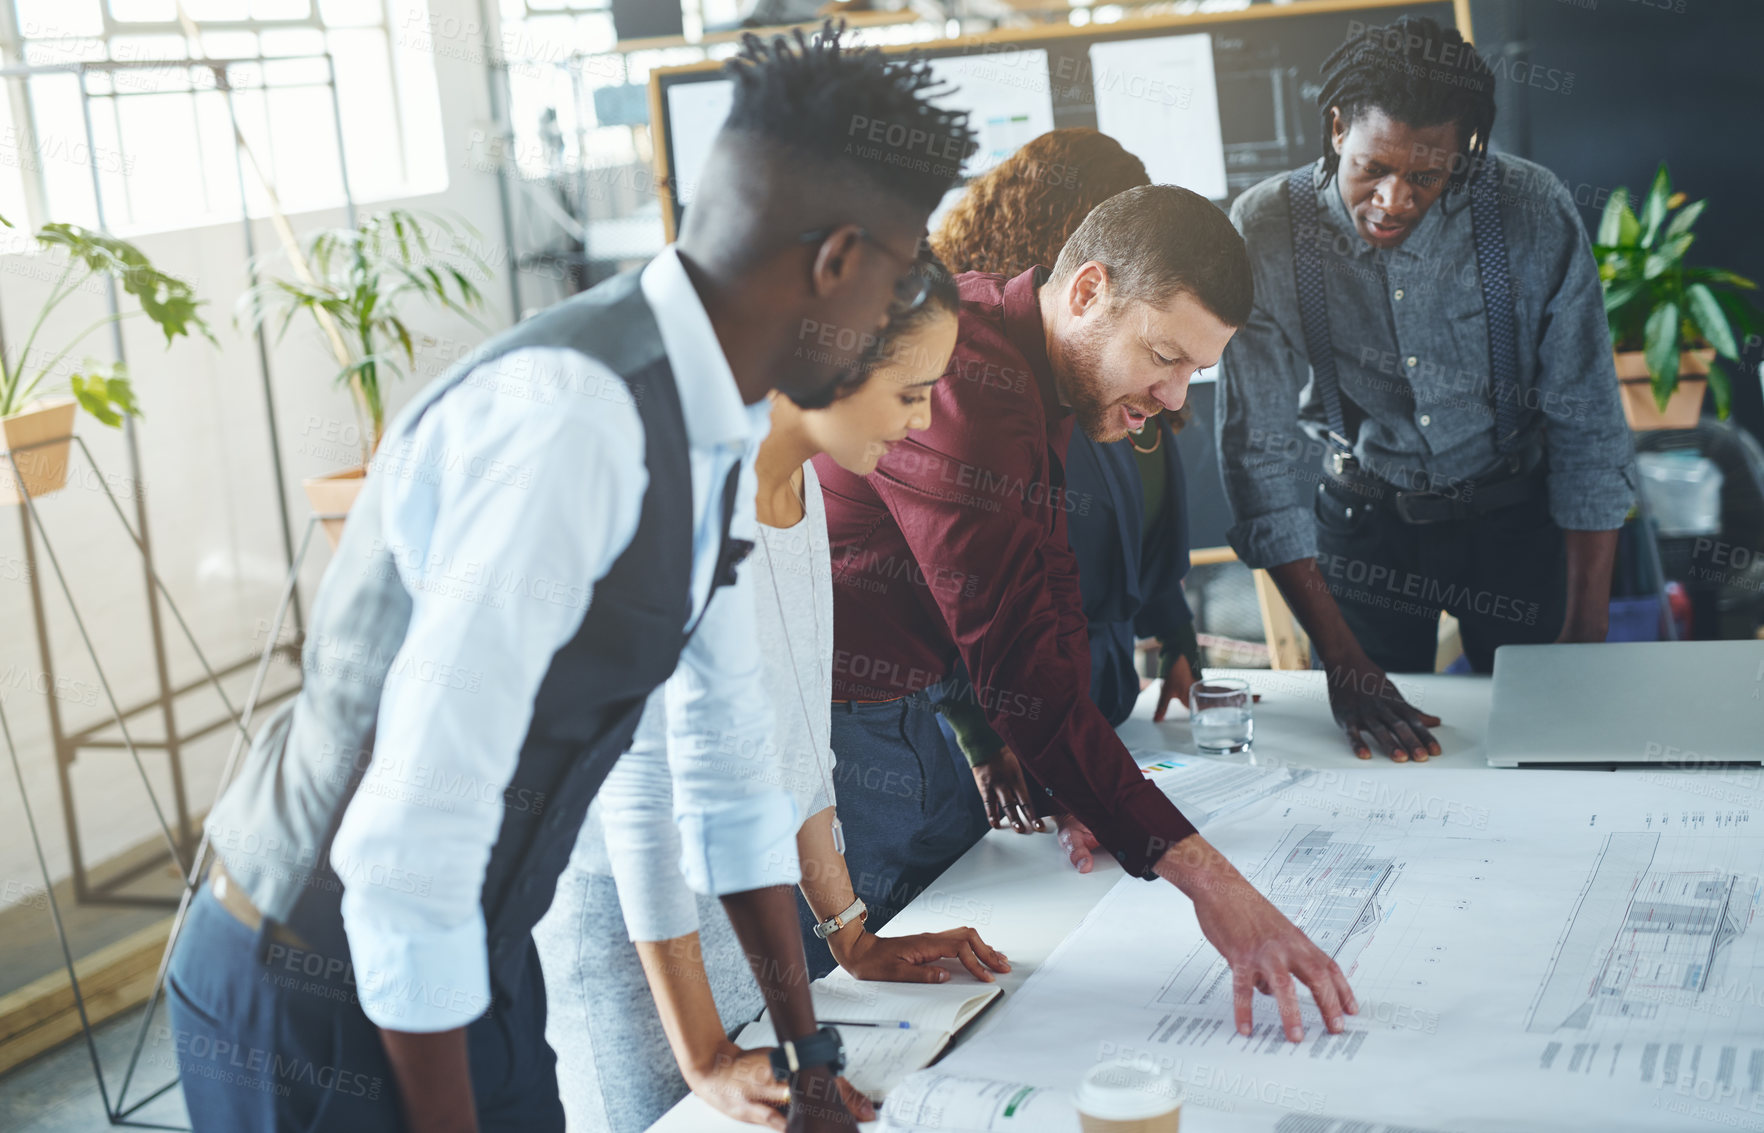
[1019,213]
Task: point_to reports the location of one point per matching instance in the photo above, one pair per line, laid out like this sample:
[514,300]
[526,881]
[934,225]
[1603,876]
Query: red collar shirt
[956,548]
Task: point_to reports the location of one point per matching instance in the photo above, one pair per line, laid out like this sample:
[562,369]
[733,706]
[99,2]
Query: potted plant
[354,283]
[1668,322]
[35,423]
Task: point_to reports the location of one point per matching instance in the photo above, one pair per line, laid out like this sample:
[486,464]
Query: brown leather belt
[230,895]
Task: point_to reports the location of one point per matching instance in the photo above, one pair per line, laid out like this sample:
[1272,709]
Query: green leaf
[402,333]
[1660,341]
[1611,221]
[1654,208]
[1719,278]
[1711,321]
[1686,217]
[105,392]
[167,300]
[1741,315]
[467,290]
[1722,387]
[1669,256]
[1620,293]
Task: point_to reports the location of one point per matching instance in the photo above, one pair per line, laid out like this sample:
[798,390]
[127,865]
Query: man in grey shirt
[1428,349]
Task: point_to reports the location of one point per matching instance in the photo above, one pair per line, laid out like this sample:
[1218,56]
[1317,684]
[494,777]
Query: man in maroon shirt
[955,550]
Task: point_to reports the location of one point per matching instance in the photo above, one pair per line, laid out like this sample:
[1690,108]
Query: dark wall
[1612,87]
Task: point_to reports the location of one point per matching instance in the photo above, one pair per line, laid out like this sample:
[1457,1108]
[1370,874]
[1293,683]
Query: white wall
[210,490]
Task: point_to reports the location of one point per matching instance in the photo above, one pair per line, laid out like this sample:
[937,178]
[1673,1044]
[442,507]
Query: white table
[1024,898]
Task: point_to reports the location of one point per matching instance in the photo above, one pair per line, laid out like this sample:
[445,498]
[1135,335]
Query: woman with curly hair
[1020,212]
[1132,540]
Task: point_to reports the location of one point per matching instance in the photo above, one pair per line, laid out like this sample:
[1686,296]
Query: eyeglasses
[910,290]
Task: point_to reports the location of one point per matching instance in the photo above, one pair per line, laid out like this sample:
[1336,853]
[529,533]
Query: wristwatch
[857,910]
[823,1048]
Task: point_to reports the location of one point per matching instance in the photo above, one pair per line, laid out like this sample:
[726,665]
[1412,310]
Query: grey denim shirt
[1411,350]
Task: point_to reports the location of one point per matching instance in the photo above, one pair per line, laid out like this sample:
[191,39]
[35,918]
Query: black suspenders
[1497,301]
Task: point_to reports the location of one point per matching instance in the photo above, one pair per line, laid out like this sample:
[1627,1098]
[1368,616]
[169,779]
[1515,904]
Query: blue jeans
[271,1039]
[906,801]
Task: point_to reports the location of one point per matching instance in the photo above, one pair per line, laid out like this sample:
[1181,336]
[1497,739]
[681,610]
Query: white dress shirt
[629,834]
[509,499]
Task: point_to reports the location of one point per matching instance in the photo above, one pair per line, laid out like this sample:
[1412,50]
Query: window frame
[19,107]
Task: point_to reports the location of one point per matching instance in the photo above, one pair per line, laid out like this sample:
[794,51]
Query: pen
[902,1024]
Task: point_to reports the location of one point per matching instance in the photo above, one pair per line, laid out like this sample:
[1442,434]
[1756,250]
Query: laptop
[1667,703]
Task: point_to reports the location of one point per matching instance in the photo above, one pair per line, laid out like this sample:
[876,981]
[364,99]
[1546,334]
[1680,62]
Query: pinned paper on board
[1158,97]
[696,112]
[1008,98]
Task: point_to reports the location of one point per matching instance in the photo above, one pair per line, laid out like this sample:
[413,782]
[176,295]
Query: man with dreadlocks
[1428,326]
[361,957]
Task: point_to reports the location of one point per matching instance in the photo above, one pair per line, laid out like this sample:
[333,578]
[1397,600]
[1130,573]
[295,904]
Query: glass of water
[1219,713]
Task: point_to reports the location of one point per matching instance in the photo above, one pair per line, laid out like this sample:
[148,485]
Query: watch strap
[852,912]
[823,1048]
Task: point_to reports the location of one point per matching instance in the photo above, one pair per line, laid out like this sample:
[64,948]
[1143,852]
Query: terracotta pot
[1685,405]
[43,469]
[334,495]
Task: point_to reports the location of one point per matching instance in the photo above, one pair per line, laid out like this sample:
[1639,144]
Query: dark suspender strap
[1497,301]
[730,552]
[1313,302]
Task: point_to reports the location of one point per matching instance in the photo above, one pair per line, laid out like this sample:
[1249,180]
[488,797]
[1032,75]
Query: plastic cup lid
[1128,1091]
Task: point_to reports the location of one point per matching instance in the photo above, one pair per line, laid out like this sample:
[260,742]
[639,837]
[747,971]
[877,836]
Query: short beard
[1079,367]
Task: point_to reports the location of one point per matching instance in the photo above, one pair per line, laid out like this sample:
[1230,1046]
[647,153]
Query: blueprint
[1326,886]
[1530,950]
[1208,790]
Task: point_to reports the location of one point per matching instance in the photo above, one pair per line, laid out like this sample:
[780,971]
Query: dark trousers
[1502,575]
[271,1039]
[906,801]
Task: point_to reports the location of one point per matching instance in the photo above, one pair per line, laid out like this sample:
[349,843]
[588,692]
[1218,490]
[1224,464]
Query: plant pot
[43,469]
[333,496]
[1683,408]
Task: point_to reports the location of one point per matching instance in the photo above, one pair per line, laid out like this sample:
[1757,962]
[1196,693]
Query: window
[161,137]
[576,104]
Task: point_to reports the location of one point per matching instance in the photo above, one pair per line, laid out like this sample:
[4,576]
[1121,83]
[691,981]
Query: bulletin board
[1214,101]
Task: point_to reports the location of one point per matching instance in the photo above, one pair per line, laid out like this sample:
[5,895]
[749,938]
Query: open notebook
[877,1057]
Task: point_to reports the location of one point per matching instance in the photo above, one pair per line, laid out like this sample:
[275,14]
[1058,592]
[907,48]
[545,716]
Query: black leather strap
[1472,498]
[823,1048]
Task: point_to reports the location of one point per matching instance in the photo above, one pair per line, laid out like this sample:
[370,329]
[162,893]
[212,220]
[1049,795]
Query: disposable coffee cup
[1129,1097]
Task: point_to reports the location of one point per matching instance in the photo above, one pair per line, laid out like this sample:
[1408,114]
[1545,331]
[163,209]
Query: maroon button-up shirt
[956,546]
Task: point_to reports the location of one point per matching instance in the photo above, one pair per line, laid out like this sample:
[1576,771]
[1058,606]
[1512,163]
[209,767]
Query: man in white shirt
[533,549]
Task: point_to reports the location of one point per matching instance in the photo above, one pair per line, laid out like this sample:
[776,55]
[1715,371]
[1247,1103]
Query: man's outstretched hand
[1265,950]
[1372,712]
[1366,704]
